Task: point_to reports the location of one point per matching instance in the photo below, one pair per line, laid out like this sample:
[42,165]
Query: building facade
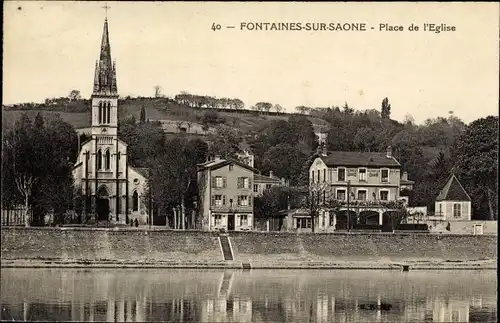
[453,203]
[262,183]
[111,186]
[365,186]
[225,195]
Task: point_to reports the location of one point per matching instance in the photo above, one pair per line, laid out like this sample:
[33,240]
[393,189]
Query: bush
[413,226]
[367,227]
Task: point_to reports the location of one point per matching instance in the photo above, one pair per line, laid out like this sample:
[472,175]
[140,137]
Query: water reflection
[255,296]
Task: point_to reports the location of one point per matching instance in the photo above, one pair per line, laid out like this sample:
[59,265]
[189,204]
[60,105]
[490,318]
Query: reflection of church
[112,187]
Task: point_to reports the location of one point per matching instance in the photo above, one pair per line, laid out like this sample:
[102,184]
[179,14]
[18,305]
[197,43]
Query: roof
[453,191]
[215,164]
[141,170]
[406,182]
[263,178]
[356,158]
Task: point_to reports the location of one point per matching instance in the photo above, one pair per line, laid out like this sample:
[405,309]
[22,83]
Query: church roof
[105,69]
[453,191]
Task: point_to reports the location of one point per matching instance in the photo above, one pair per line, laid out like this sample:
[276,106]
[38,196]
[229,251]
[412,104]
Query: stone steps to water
[226,247]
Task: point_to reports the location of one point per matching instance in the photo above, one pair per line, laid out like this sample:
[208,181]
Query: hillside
[156,109]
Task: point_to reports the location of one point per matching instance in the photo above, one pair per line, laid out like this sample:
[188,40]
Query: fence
[14,216]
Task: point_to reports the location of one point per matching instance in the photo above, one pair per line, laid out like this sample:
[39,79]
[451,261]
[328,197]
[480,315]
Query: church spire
[105,80]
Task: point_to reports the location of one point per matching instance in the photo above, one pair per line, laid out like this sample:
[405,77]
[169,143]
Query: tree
[158,93]
[172,177]
[278,108]
[385,112]
[224,142]
[285,161]
[476,162]
[36,165]
[303,128]
[143,115]
[74,95]
[320,197]
[145,140]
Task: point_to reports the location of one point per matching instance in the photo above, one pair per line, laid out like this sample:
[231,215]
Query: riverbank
[46,263]
[161,248]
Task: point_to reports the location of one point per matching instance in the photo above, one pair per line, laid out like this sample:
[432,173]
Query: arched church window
[99,159]
[107,162]
[135,201]
[100,112]
[109,113]
[104,111]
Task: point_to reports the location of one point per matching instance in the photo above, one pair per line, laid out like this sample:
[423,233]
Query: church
[113,189]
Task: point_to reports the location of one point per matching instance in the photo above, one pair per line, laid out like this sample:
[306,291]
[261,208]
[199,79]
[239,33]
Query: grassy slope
[156,110]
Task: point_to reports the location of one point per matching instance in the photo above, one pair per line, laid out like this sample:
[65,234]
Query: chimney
[324,152]
[271,173]
[389,152]
[405,176]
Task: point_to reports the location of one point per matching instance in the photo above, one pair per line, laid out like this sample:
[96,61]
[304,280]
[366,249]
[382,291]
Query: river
[132,295]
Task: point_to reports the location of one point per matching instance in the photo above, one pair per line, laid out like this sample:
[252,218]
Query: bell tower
[105,94]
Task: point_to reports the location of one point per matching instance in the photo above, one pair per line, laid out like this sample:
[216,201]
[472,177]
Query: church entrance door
[102,204]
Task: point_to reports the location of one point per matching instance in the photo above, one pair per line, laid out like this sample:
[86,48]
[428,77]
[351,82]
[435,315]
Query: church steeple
[105,74]
[105,94]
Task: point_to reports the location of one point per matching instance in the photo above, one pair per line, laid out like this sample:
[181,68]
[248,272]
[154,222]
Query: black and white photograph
[249,161]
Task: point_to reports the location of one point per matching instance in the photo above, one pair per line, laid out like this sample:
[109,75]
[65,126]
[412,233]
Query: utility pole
[348,211]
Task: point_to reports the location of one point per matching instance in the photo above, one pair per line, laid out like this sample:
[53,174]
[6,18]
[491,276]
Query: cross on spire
[106,7]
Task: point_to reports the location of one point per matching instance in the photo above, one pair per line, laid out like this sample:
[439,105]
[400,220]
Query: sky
[50,48]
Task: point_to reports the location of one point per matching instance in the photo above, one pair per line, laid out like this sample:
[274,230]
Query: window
[362,174]
[243,182]
[341,194]
[303,223]
[231,167]
[255,188]
[99,159]
[384,175]
[457,210]
[319,180]
[440,209]
[323,222]
[107,160]
[362,195]
[268,186]
[218,200]
[135,202]
[218,219]
[324,196]
[384,195]
[324,175]
[312,176]
[108,114]
[100,113]
[243,219]
[243,200]
[220,182]
[341,174]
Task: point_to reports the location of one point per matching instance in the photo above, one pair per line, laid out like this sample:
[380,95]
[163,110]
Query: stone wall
[199,246]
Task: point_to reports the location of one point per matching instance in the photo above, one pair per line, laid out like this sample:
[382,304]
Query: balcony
[231,209]
[367,204]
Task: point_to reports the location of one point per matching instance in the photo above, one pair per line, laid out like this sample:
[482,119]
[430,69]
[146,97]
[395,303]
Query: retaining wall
[199,246]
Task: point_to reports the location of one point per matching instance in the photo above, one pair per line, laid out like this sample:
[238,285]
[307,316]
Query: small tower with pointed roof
[453,203]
